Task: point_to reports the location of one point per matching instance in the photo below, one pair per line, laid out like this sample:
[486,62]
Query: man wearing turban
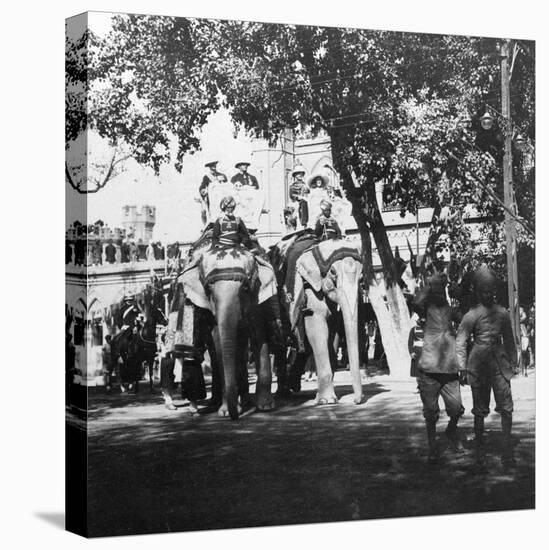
[491,362]
[327,226]
[438,366]
[229,230]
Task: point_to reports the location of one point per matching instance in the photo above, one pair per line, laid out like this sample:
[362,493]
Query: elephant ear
[267,280]
[307,267]
[193,287]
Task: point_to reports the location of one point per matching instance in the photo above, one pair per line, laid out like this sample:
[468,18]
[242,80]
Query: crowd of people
[84,251]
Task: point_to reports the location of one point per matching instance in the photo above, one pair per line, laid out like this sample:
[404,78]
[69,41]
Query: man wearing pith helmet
[298,190]
[242,177]
[491,362]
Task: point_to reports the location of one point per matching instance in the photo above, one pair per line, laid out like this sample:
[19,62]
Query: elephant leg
[262,358]
[282,379]
[167,381]
[296,371]
[223,410]
[264,398]
[317,333]
[334,341]
[241,358]
[215,365]
[150,363]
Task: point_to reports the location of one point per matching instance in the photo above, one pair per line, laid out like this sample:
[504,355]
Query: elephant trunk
[227,306]
[349,309]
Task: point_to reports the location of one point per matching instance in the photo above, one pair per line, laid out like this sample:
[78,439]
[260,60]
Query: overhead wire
[357,73]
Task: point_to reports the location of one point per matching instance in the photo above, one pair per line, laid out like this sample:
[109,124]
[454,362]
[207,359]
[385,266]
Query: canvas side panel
[76,299]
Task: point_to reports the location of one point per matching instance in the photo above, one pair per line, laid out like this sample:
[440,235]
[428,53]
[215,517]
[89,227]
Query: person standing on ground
[524,339]
[437,368]
[532,334]
[108,363]
[491,363]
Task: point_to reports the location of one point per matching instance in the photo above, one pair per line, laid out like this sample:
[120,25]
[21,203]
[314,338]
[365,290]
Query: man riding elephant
[326,225]
[229,230]
[230,282]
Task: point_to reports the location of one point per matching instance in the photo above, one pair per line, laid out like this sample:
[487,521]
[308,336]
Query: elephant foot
[223,411]
[282,391]
[213,403]
[358,400]
[246,402]
[326,400]
[265,404]
[295,386]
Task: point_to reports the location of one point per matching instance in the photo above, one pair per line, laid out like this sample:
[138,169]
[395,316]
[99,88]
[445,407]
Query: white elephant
[329,274]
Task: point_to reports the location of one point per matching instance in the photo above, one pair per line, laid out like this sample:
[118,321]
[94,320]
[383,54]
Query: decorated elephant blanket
[232,264]
[295,250]
[314,264]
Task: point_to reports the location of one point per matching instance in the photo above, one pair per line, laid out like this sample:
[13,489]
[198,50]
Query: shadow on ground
[153,470]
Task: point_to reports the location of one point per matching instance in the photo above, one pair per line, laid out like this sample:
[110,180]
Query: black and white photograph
[303,260]
[300,274]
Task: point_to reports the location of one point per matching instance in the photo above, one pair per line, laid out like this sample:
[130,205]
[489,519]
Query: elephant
[327,275]
[232,284]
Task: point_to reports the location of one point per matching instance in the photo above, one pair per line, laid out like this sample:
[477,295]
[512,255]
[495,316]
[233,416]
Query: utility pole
[509,199]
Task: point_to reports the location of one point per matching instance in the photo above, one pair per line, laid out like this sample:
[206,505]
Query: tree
[131,94]
[393,104]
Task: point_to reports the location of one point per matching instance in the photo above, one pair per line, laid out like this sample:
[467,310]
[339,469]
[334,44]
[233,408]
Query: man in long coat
[326,225]
[242,177]
[438,367]
[212,176]
[491,363]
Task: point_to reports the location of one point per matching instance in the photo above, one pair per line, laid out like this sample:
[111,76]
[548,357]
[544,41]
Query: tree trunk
[392,316]
[394,333]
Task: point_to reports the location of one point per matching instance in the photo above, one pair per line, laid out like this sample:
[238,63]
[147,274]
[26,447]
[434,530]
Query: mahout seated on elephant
[231,282]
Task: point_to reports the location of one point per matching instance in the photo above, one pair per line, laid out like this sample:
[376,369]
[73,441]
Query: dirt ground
[154,470]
